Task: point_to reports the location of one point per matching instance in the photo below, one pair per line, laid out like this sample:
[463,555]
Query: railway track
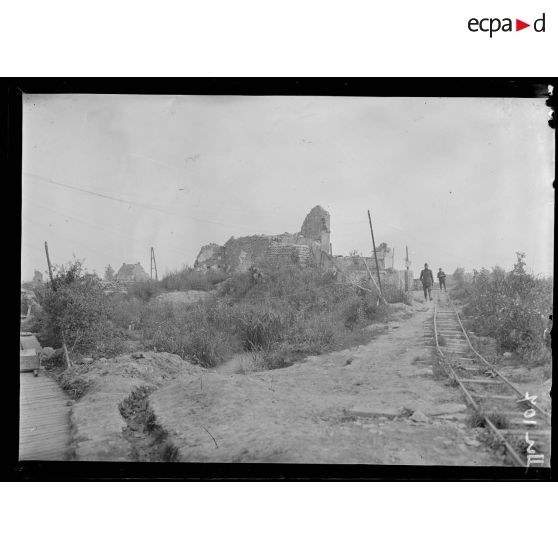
[513,418]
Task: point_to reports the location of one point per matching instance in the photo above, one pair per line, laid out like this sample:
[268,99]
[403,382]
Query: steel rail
[493,368]
[516,458]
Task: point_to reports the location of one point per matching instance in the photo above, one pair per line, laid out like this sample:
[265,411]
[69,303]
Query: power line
[100,227]
[128,202]
[59,235]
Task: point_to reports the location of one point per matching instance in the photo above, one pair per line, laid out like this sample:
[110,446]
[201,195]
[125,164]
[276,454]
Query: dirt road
[378,404]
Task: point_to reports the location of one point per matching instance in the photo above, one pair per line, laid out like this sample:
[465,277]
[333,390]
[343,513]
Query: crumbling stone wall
[211,256]
[302,248]
[310,245]
[289,254]
[316,227]
[242,253]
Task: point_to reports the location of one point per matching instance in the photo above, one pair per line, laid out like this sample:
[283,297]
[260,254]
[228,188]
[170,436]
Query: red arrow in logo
[519,25]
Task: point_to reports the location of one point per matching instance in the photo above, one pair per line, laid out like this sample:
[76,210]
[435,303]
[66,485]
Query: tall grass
[511,307]
[282,314]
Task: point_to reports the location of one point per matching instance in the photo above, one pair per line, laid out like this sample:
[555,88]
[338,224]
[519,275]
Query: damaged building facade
[310,246]
[302,248]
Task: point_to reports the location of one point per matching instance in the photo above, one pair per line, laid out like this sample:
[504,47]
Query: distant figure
[427,280]
[442,278]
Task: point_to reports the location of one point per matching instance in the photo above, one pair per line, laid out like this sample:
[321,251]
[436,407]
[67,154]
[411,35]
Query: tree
[75,309]
[109,273]
[37,277]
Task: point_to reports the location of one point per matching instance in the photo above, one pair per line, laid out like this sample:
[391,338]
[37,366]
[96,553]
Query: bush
[459,284]
[74,308]
[283,314]
[512,307]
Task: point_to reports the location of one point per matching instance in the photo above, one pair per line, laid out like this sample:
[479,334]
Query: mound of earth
[377,403]
[97,424]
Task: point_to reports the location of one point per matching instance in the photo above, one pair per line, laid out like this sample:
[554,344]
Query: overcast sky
[461,182]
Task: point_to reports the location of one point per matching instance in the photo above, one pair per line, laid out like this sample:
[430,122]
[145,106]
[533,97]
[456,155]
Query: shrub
[75,307]
[512,307]
[459,284]
[281,313]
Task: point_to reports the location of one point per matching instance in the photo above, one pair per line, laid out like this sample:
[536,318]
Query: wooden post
[407,269]
[64,346]
[375,255]
[153,265]
[393,258]
[380,296]
[49,266]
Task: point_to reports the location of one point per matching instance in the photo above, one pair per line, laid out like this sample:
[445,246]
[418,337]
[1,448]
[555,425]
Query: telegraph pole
[407,268]
[49,266]
[153,264]
[53,287]
[375,255]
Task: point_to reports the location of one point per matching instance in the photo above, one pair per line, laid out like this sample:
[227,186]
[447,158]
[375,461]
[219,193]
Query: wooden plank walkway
[44,419]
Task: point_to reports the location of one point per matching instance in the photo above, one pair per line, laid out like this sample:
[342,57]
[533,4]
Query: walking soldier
[442,278]
[427,280]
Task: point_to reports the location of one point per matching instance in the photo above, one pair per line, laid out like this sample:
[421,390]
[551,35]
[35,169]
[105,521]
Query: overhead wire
[130,202]
[100,227]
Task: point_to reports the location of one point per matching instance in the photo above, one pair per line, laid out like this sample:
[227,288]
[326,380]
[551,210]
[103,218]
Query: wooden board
[29,342]
[28,360]
[44,419]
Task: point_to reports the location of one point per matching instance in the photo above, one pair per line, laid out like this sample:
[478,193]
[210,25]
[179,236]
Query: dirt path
[379,403]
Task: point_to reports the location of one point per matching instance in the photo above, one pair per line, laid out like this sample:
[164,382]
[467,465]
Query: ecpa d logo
[492,25]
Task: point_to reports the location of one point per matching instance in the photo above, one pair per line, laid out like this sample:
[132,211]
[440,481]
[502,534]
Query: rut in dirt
[148,440]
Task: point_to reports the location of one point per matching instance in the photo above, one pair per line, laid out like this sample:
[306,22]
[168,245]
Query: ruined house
[301,248]
[310,246]
[131,273]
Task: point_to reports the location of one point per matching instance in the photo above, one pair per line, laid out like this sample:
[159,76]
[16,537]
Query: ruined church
[310,246]
[301,248]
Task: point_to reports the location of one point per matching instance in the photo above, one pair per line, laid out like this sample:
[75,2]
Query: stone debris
[448,409]
[472,442]
[419,416]
[412,372]
[386,412]
[457,417]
